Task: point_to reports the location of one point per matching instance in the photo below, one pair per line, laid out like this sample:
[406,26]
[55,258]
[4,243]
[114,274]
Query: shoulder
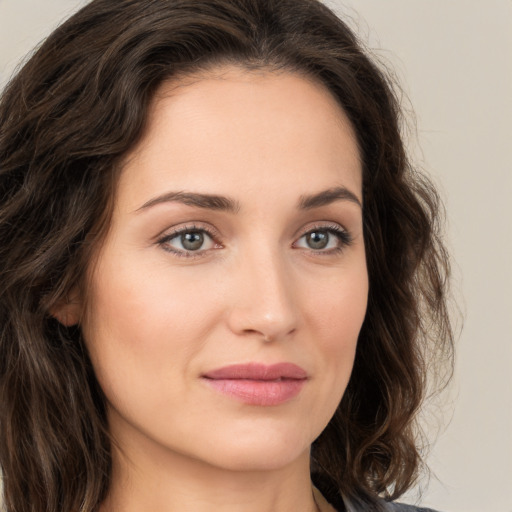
[401,507]
[385,506]
[328,494]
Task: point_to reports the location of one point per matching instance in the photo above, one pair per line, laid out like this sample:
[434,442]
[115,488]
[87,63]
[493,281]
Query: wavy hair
[68,118]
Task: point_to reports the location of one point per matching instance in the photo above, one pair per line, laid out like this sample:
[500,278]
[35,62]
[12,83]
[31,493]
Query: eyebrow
[327,197]
[207,201]
[223,203]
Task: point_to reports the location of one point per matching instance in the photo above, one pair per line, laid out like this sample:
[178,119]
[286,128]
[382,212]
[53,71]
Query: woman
[222,282]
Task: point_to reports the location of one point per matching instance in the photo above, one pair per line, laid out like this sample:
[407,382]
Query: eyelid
[344,236]
[188,226]
[167,235]
[322,225]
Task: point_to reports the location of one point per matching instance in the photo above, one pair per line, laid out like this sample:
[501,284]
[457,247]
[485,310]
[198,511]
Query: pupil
[318,239]
[192,241]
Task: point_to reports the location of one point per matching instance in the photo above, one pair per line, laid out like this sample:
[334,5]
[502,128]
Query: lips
[258,384]
[256,371]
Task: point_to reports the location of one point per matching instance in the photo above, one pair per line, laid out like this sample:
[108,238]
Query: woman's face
[236,239]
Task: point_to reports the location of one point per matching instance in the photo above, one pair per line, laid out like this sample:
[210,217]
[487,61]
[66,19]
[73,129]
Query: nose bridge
[265,300]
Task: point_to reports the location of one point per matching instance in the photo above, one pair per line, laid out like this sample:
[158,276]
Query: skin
[255,291]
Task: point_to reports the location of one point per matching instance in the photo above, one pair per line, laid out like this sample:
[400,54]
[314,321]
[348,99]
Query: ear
[68,310]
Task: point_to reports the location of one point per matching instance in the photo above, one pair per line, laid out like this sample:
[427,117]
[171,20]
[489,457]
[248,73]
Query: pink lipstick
[258,384]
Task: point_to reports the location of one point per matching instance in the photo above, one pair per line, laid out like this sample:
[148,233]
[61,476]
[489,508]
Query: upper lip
[258,371]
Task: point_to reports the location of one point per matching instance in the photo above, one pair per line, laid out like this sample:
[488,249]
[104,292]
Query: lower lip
[258,392]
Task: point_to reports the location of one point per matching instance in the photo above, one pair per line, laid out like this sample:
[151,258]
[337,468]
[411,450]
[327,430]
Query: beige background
[454,59]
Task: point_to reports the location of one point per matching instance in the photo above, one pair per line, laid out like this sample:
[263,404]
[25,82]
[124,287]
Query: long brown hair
[66,121]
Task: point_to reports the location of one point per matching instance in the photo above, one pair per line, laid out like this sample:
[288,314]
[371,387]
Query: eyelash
[344,237]
[187,229]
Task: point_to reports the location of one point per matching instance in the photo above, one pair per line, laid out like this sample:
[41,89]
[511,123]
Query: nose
[263,303]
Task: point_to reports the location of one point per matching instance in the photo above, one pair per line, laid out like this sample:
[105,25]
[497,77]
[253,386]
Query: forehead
[243,129]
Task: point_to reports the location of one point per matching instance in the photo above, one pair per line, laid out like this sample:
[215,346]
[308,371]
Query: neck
[170,482]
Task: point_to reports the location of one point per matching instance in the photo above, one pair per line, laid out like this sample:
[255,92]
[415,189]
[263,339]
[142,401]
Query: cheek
[337,313]
[143,306]
[338,307]
[142,328]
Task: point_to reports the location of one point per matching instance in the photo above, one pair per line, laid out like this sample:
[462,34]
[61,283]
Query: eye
[324,239]
[188,240]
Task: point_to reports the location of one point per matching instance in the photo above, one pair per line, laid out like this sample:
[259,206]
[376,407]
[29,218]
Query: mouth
[258,384]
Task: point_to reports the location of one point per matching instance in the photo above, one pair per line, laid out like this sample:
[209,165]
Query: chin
[267,452]
[259,460]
